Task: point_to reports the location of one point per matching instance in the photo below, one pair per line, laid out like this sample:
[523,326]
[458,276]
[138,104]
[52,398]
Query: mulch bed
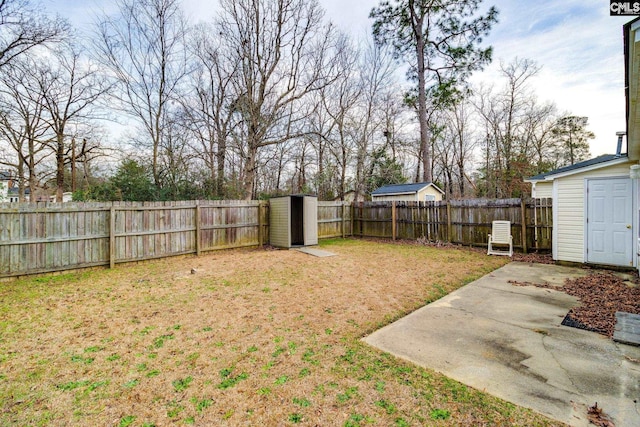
[601,295]
[540,258]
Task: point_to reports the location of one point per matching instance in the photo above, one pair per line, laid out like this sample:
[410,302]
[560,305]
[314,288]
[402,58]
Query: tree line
[268,98]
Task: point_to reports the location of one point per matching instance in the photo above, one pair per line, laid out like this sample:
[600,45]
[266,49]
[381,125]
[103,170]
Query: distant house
[418,192]
[13,196]
[7,187]
[9,191]
[350,196]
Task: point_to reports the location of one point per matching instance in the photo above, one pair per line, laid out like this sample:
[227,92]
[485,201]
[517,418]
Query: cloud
[580,49]
[577,43]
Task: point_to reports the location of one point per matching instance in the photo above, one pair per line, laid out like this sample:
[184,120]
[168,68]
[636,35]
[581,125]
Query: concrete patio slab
[315,252]
[508,340]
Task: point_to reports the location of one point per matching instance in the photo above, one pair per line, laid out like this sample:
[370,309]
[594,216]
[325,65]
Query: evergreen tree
[440,41]
[572,139]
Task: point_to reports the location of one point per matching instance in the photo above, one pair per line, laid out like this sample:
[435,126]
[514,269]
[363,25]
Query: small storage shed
[293,221]
[418,192]
[594,210]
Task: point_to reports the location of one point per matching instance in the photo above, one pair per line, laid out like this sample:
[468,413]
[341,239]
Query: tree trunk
[20,178]
[250,171]
[221,155]
[462,177]
[59,167]
[32,173]
[73,164]
[422,98]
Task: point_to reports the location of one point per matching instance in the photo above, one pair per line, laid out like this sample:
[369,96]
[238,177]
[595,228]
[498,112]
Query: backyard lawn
[248,337]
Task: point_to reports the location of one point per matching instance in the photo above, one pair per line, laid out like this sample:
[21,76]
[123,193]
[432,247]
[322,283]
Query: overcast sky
[577,43]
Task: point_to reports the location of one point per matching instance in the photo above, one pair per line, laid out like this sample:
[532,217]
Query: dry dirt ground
[248,337]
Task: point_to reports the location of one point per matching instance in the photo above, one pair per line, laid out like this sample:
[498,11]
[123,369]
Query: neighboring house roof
[403,189]
[591,164]
[15,191]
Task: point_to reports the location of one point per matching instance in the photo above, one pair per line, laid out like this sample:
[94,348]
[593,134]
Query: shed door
[279,214]
[609,221]
[310,220]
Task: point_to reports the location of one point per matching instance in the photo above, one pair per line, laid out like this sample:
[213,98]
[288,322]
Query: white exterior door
[610,221]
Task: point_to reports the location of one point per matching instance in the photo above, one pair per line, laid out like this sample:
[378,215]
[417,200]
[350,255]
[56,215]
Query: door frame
[634,218]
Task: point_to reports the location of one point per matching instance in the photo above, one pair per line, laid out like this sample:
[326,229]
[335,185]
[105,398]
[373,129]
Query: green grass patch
[127,420]
[301,401]
[229,380]
[182,384]
[440,414]
[159,342]
[72,385]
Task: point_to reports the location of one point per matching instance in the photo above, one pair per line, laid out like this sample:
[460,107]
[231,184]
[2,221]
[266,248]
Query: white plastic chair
[500,235]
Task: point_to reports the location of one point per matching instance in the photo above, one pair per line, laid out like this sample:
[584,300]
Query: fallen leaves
[598,417]
[601,295]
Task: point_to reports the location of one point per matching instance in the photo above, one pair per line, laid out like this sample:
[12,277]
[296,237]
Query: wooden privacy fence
[466,222]
[334,219]
[42,237]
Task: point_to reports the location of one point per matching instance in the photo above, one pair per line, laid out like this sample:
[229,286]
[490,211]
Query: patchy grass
[255,337]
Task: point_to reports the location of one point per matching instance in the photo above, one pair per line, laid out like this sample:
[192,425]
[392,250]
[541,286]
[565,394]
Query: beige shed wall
[429,190]
[544,190]
[570,204]
[396,198]
[419,197]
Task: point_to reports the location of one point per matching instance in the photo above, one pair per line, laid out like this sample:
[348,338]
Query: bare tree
[281,48]
[340,101]
[209,105]
[143,47]
[375,80]
[23,26]
[22,123]
[513,125]
[541,120]
[320,126]
[69,88]
[458,143]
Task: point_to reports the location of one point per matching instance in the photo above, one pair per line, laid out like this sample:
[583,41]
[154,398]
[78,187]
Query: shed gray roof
[591,162]
[403,188]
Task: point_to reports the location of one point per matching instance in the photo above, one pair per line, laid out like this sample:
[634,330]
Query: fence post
[353,214]
[198,230]
[343,214]
[449,230]
[112,236]
[260,224]
[523,218]
[393,220]
[413,220]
